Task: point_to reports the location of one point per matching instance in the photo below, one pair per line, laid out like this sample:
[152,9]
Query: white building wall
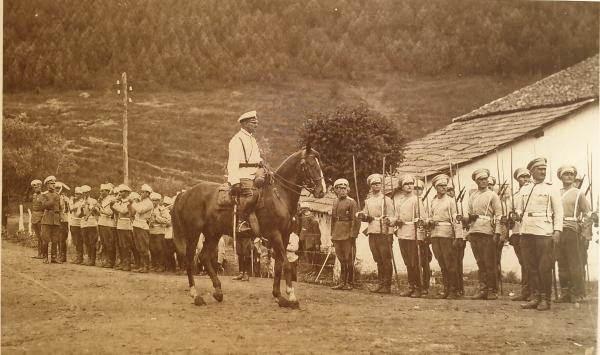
[563,142]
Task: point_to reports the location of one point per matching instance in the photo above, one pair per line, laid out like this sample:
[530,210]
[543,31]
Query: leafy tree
[358,131]
[31,151]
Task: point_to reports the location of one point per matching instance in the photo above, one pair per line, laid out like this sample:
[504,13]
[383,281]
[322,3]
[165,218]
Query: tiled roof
[569,85]
[465,140]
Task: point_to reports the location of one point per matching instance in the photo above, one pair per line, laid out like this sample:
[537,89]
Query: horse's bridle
[309,181]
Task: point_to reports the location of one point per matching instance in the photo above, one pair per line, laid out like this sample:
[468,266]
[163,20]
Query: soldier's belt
[570,219]
[249,165]
[537,214]
[408,222]
[484,217]
[443,223]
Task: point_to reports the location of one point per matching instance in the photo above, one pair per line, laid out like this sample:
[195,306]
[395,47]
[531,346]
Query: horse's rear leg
[208,256]
[190,253]
[282,264]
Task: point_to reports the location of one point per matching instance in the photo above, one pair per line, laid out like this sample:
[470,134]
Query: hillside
[190,44]
[177,138]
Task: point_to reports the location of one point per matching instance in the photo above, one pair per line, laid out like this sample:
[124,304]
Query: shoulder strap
[528,197]
[244,148]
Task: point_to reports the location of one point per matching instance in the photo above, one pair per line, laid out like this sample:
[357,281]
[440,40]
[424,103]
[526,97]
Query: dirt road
[71,309]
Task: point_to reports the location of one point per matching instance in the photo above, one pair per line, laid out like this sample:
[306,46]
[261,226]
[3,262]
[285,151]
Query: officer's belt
[408,222]
[249,165]
[570,219]
[537,214]
[484,217]
[443,223]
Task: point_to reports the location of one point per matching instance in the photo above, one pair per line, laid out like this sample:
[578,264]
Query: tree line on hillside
[188,44]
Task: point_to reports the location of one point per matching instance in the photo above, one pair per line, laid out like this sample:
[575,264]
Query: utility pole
[125,149]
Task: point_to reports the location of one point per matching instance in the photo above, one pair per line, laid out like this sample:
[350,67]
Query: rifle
[512,192]
[384,213]
[358,205]
[419,265]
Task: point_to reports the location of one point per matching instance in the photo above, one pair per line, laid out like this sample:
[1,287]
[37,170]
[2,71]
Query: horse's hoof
[276,294]
[294,304]
[199,301]
[218,295]
[283,303]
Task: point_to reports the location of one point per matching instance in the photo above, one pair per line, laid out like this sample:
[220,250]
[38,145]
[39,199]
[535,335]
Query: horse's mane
[293,156]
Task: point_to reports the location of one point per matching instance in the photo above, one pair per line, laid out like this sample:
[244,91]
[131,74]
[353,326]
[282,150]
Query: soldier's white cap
[537,162]
[520,172]
[566,169]
[341,181]
[105,187]
[155,196]
[440,179]
[168,200]
[405,179]
[246,116]
[146,187]
[36,182]
[62,185]
[49,178]
[134,195]
[123,187]
[77,190]
[85,188]
[374,179]
[480,173]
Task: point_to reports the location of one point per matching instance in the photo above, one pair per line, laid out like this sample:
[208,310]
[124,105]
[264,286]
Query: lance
[381,223]
[355,180]
[461,192]
[512,185]
[358,203]
[455,196]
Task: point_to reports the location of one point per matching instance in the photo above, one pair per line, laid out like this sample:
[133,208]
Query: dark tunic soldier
[523,178]
[50,224]
[344,230]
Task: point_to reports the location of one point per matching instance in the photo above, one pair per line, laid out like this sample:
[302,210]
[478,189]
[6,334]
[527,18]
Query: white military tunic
[543,214]
[243,149]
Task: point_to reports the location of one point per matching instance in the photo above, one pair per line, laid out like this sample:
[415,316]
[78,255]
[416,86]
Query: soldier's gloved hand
[556,237]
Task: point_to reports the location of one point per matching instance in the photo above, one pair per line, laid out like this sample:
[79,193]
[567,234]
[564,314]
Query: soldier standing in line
[244,240]
[170,252]
[158,221]
[523,178]
[76,234]
[540,210]
[409,217]
[344,230]
[576,207]
[484,211]
[64,221]
[425,261]
[375,212]
[89,225]
[36,215]
[444,234]
[310,237]
[460,245]
[141,235]
[124,227]
[106,226]
[50,224]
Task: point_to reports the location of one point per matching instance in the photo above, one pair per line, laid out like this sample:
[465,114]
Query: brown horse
[196,211]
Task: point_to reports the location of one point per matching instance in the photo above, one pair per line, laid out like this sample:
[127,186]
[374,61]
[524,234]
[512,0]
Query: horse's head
[312,179]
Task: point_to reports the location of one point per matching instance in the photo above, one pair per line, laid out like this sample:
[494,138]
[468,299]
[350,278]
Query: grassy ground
[177,138]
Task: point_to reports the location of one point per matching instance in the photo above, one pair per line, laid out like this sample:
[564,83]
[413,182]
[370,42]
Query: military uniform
[37,210]
[344,230]
[141,229]
[484,210]
[380,234]
[515,241]
[64,227]
[541,211]
[50,223]
[242,166]
[409,211]
[76,233]
[89,228]
[106,229]
[124,229]
[158,221]
[444,232]
[310,240]
[568,250]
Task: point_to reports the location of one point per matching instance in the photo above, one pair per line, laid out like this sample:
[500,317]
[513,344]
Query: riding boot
[565,296]
[535,301]
[416,293]
[544,305]
[380,279]
[53,253]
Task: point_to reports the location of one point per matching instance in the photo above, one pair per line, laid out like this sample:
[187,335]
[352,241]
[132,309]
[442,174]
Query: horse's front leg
[282,264]
[208,257]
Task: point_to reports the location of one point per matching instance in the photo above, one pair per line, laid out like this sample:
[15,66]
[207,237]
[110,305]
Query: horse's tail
[179,237]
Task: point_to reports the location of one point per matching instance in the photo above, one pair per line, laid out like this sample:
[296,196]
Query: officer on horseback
[242,166]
